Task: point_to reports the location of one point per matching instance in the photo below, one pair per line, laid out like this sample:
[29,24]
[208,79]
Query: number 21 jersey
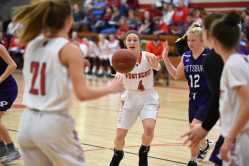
[47,84]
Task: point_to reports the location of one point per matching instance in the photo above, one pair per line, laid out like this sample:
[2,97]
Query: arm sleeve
[213,66]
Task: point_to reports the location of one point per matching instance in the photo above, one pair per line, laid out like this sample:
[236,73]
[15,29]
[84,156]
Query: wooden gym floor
[96,126]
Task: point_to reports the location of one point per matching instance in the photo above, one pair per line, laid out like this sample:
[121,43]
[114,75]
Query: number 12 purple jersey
[197,82]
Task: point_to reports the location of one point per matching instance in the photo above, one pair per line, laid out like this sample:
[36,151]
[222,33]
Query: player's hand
[153,61]
[193,137]
[165,50]
[226,148]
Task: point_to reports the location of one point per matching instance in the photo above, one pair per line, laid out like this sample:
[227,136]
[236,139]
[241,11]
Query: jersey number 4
[38,69]
[194,81]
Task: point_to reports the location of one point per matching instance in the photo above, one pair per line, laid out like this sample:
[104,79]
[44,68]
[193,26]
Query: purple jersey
[197,82]
[9,82]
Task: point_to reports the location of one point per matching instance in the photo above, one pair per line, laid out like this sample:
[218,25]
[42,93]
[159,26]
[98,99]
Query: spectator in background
[123,27]
[98,9]
[180,18]
[178,3]
[160,27]
[147,26]
[156,47]
[133,22]
[168,12]
[245,25]
[195,17]
[78,17]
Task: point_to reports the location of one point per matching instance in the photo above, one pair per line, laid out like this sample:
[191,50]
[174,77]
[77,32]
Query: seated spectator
[133,22]
[195,17]
[180,16]
[156,46]
[178,3]
[122,27]
[245,25]
[98,9]
[78,17]
[160,27]
[168,11]
[147,25]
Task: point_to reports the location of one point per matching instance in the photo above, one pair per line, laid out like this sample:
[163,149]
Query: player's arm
[175,72]
[240,122]
[153,61]
[71,57]
[7,59]
[243,116]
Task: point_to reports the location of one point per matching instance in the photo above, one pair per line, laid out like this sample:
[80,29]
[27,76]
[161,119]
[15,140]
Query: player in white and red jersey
[138,100]
[52,68]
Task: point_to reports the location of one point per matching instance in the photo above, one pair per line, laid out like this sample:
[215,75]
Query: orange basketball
[123,60]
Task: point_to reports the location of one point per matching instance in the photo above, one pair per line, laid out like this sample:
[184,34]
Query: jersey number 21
[36,69]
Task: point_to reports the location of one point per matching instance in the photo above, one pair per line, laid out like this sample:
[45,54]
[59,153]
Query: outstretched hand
[194,136]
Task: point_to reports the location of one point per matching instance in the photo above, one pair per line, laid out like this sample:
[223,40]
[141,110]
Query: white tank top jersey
[141,77]
[47,83]
[235,73]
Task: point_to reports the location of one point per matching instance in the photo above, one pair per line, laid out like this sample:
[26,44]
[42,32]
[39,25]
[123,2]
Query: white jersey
[47,83]
[141,77]
[235,73]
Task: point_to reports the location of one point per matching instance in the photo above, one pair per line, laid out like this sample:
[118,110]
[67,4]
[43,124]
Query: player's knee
[120,137]
[149,131]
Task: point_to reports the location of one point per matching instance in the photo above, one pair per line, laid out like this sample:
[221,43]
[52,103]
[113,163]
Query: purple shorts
[7,98]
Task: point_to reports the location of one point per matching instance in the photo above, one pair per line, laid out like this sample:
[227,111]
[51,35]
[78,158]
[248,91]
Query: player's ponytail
[42,16]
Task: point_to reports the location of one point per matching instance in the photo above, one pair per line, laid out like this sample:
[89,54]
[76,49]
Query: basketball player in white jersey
[138,100]
[52,68]
[234,91]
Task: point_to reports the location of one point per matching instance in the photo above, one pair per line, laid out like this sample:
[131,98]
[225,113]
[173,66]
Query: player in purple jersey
[191,67]
[8,94]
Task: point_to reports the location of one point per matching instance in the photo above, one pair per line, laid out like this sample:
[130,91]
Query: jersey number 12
[194,80]
[36,69]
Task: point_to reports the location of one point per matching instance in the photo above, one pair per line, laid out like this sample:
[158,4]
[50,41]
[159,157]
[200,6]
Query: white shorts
[49,138]
[137,104]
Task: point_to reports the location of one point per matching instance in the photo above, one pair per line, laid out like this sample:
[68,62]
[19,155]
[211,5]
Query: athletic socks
[143,155]
[117,157]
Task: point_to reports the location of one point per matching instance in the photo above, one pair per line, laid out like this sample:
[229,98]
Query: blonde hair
[42,16]
[194,29]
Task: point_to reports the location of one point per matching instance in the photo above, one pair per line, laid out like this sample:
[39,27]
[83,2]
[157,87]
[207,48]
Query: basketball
[123,60]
